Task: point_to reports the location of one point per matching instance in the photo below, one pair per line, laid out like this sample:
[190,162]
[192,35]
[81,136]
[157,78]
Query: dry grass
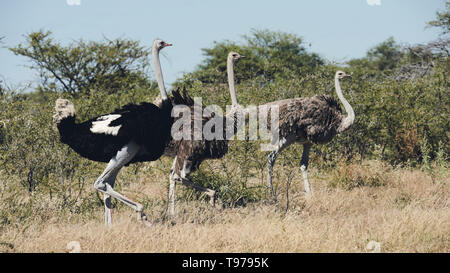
[408,213]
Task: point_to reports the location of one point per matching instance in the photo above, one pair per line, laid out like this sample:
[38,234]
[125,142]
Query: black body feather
[194,151]
[145,124]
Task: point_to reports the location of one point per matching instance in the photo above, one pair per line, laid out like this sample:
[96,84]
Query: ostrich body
[133,133]
[189,154]
[308,121]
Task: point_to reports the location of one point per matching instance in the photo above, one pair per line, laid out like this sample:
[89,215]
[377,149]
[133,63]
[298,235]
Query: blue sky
[337,29]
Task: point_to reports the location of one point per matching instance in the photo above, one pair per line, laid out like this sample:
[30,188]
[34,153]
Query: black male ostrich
[134,133]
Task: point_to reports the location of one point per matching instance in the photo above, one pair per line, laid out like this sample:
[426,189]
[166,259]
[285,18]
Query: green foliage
[442,162]
[443,20]
[425,149]
[384,56]
[268,55]
[31,152]
[349,176]
[441,156]
[402,98]
[111,65]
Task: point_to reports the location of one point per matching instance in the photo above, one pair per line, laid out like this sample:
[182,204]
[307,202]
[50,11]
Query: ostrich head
[160,44]
[341,74]
[234,55]
[64,109]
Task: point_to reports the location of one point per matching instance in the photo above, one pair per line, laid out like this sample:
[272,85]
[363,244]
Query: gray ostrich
[309,121]
[190,153]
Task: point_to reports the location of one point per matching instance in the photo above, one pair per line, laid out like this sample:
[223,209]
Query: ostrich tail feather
[63,110]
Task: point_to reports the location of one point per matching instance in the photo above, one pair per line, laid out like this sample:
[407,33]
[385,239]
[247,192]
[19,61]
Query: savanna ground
[407,210]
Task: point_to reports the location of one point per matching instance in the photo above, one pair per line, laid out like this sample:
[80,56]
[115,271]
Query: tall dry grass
[408,212]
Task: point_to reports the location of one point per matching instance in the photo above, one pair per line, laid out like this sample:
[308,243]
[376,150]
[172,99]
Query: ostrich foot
[142,217]
[212,197]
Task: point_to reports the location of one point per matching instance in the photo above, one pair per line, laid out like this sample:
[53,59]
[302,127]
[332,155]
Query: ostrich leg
[171,196]
[183,178]
[271,158]
[271,161]
[115,164]
[304,167]
[107,200]
[172,186]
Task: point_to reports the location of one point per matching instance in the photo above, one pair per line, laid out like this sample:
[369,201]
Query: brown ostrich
[190,153]
[309,121]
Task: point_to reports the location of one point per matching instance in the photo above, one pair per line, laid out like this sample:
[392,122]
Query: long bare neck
[230,72]
[235,115]
[158,72]
[350,118]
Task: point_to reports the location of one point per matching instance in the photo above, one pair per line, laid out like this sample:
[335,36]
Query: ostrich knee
[270,162]
[100,185]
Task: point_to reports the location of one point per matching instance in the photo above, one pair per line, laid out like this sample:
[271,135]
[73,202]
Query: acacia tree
[384,57]
[269,55]
[443,20]
[110,65]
